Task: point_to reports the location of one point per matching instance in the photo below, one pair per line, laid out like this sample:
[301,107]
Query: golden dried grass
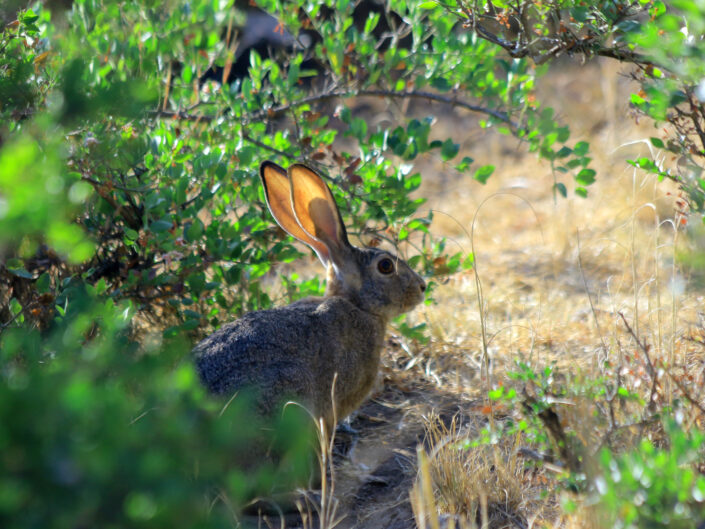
[471,485]
[555,274]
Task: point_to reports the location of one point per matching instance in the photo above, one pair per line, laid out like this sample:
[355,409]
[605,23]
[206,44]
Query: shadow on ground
[375,467]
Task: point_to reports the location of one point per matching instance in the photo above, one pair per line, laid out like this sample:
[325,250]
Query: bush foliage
[132,220]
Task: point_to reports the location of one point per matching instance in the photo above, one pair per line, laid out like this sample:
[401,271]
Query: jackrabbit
[294,352]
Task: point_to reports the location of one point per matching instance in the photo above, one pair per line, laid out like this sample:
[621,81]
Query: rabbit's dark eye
[385,266]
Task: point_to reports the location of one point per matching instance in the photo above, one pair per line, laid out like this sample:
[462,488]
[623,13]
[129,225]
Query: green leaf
[645,163]
[483,173]
[194,230]
[586,177]
[20,272]
[581,148]
[161,225]
[637,100]
[579,13]
[358,128]
[441,84]
[43,284]
[29,17]
[561,189]
[464,164]
[140,507]
[657,9]
[417,332]
[449,150]
[563,152]
[496,394]
[372,21]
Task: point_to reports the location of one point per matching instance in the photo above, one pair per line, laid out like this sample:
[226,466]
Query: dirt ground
[554,274]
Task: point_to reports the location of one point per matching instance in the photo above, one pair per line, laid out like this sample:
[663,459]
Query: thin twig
[695,110]
[640,424]
[519,50]
[622,55]
[569,449]
[275,112]
[20,313]
[685,392]
[649,364]
[514,518]
[133,219]
[605,350]
[269,148]
[113,185]
[695,340]
[412,94]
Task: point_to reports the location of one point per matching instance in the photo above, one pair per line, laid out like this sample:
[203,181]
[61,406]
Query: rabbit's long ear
[317,212]
[277,193]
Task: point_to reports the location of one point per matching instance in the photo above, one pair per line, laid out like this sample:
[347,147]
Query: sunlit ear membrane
[277,193]
[315,208]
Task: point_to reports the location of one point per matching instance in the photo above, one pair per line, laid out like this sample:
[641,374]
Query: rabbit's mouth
[417,295]
[410,301]
[389,311]
[413,302]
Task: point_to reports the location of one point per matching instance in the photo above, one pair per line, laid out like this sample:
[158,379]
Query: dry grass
[555,273]
[318,508]
[556,276]
[482,485]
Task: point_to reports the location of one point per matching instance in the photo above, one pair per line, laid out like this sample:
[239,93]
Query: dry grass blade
[473,486]
[326,506]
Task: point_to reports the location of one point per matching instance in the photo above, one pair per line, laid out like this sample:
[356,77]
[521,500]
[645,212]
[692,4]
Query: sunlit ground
[555,273]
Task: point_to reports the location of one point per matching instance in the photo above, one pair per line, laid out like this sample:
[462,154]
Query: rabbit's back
[294,352]
[247,350]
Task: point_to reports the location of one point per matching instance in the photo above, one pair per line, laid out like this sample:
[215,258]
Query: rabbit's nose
[422,286]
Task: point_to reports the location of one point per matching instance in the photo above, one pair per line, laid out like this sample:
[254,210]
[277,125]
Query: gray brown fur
[294,352]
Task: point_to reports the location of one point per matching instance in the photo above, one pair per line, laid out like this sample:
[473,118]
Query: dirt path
[375,476]
[375,468]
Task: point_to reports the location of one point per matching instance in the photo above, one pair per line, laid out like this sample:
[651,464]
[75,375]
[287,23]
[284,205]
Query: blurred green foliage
[654,487]
[100,432]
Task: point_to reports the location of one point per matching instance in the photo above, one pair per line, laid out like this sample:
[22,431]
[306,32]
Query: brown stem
[264,146]
[131,218]
[649,364]
[686,393]
[275,112]
[568,449]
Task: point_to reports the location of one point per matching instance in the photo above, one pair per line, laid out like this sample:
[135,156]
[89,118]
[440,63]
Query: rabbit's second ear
[316,210]
[277,193]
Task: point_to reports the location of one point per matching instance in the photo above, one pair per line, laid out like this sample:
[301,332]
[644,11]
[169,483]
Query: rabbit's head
[372,279]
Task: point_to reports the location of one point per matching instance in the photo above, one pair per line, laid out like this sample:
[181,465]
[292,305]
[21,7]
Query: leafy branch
[543,31]
[661,40]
